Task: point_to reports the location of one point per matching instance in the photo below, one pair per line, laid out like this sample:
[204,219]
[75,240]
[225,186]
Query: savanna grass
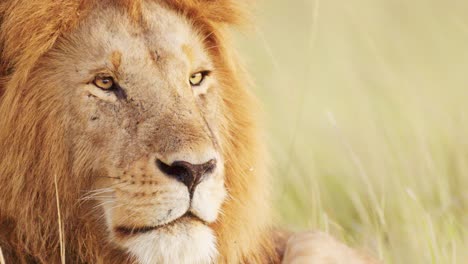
[366,104]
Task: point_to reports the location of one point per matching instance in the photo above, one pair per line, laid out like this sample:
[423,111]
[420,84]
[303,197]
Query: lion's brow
[116,59]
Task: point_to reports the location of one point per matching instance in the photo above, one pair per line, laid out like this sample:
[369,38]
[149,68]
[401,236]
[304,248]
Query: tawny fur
[32,152]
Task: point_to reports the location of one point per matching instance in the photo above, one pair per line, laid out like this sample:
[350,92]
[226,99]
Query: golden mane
[32,154]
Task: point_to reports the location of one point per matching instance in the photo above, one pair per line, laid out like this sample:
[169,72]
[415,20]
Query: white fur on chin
[185,242]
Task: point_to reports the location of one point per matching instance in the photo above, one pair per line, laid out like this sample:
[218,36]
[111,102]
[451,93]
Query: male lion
[128,135]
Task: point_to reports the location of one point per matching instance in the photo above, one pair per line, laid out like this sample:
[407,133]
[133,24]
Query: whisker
[211,47]
[97,207]
[207,36]
[109,177]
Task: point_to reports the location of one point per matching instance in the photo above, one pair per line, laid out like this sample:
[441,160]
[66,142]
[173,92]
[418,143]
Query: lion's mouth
[124,231]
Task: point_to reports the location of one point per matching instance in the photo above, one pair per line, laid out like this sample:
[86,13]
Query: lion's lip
[125,231]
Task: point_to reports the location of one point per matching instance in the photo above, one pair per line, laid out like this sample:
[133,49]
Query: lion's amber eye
[105,83]
[197,78]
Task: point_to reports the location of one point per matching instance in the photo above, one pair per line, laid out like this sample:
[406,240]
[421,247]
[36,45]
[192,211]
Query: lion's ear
[234,12]
[226,11]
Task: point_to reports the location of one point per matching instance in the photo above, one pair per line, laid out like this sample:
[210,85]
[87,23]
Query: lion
[128,134]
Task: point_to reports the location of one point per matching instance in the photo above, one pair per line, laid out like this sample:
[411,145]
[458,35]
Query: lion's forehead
[161,33]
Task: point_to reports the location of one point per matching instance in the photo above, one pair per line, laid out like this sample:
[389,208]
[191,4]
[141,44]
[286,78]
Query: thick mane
[34,156]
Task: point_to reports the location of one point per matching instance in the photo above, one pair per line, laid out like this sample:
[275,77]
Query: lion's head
[138,113]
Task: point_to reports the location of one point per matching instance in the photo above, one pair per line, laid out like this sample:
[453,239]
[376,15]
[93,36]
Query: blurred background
[366,107]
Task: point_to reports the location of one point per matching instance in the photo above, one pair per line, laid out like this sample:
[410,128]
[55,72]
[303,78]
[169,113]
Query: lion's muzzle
[165,192]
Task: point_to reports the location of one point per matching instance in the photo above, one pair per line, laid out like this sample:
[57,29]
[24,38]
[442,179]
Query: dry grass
[60,225]
[367,113]
[2,260]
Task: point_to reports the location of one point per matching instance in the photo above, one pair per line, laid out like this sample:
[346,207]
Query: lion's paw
[318,248]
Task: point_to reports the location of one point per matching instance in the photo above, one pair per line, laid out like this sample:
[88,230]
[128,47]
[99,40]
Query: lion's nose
[189,174]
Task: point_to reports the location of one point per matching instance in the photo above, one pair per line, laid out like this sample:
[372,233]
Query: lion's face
[146,119]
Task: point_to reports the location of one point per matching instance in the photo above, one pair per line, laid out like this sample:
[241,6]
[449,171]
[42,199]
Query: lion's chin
[184,241]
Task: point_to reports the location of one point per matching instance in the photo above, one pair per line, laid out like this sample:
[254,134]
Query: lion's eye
[197,78]
[105,83]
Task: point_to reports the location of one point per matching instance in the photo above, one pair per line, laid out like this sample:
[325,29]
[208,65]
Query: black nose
[189,174]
